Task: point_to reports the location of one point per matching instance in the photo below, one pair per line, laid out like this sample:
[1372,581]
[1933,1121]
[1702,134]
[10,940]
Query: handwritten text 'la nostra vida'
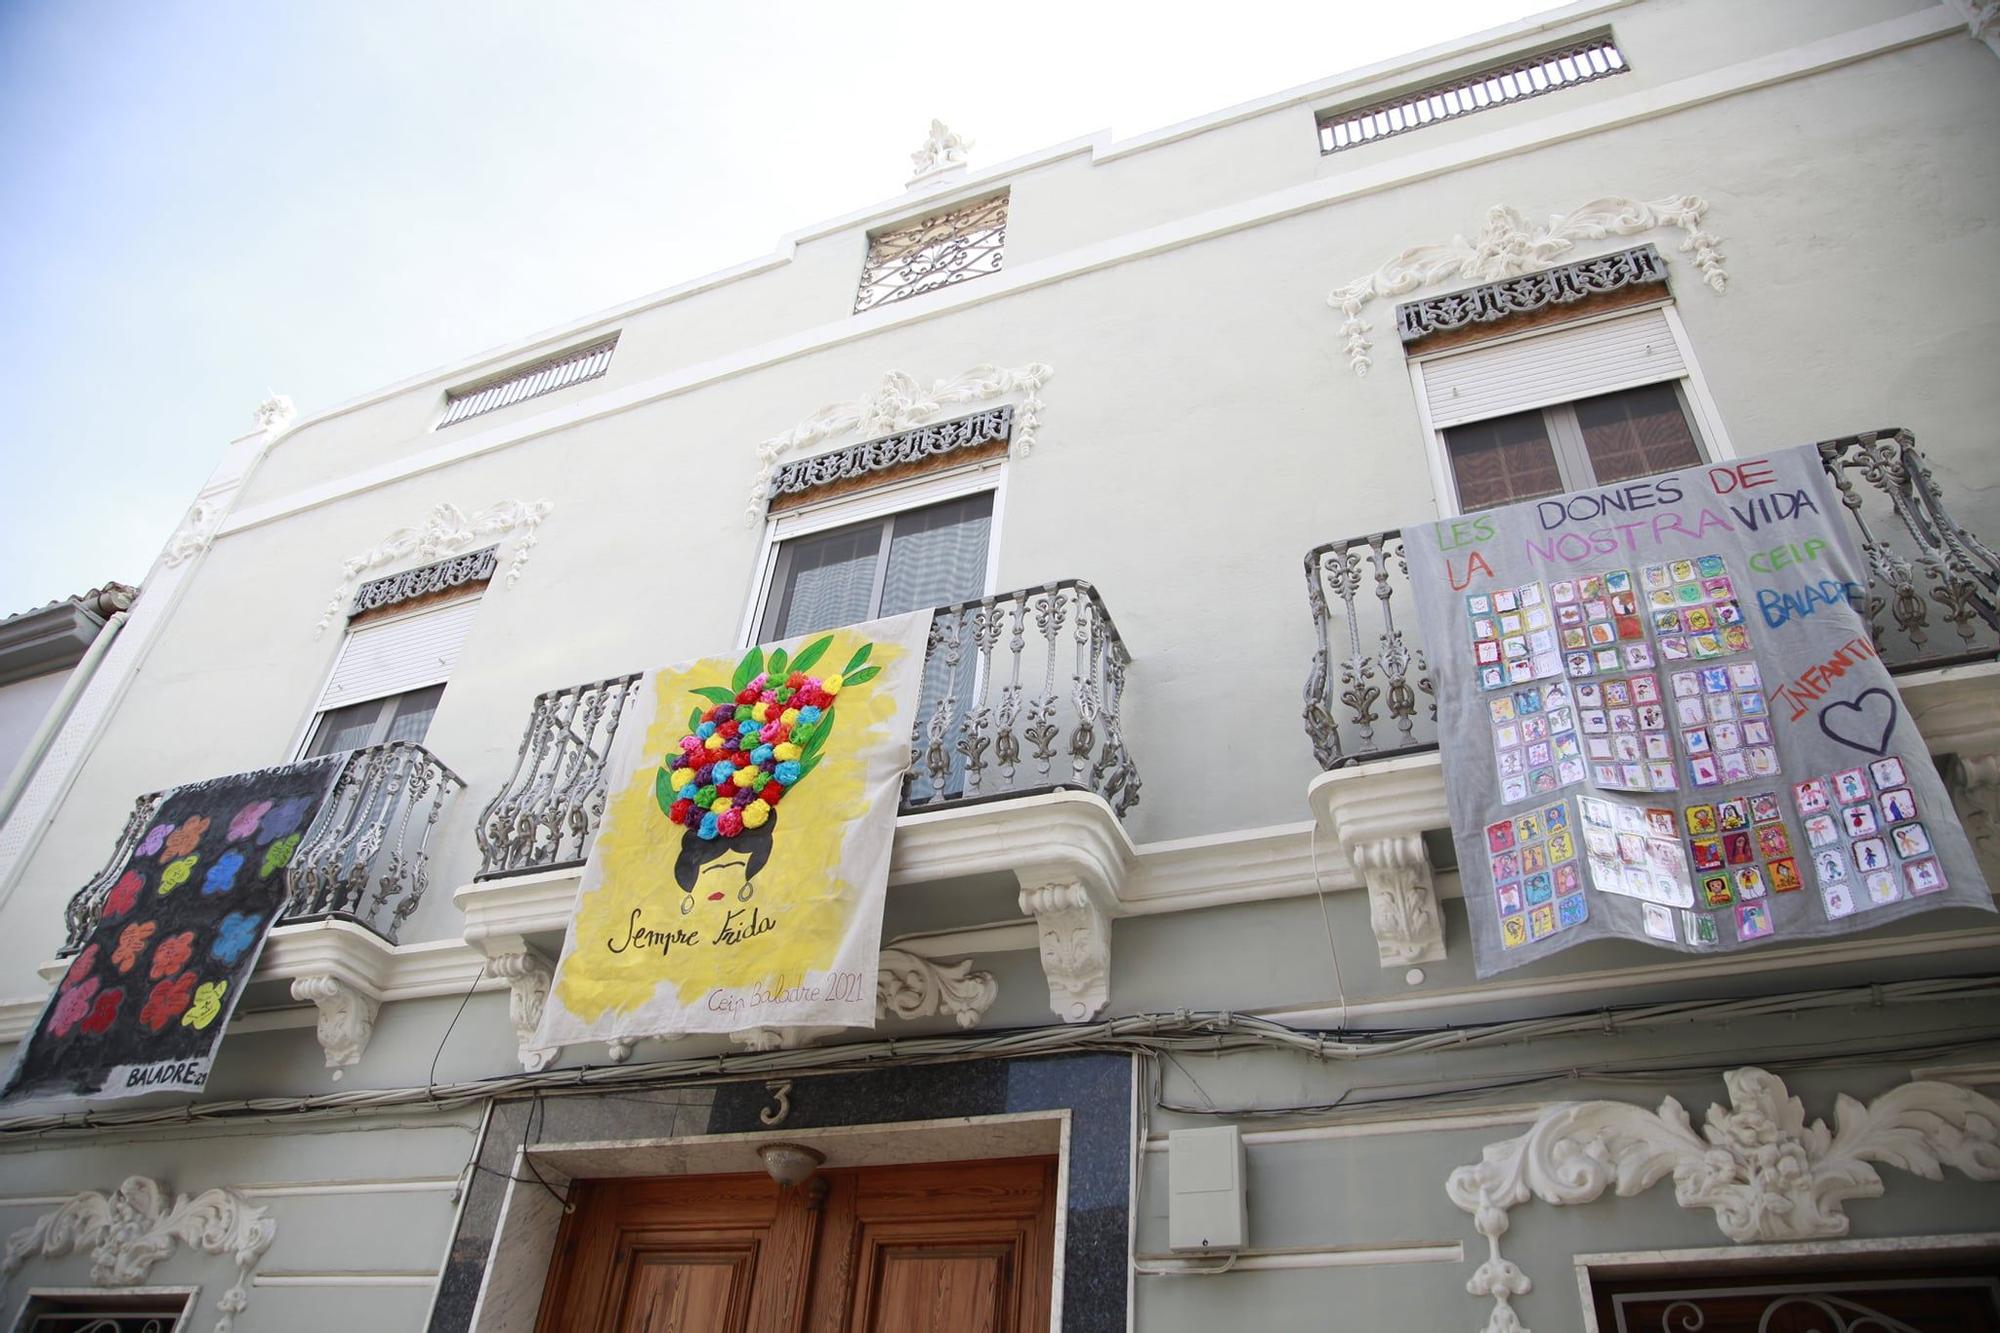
[1743,498]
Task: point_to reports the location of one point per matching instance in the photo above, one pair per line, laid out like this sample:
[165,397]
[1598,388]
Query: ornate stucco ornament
[1508,245]
[447,530]
[275,415]
[900,403]
[133,1229]
[940,151]
[1765,1173]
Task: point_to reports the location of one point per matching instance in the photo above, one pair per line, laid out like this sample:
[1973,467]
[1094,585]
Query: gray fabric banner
[1663,719]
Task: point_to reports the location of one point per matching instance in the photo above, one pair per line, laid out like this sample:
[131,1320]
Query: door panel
[910,1249]
[686,1290]
[918,1288]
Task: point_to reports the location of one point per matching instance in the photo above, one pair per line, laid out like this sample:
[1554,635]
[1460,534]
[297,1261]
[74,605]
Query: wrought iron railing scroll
[1021,695]
[365,858]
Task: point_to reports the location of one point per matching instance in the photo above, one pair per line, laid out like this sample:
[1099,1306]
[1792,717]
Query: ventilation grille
[1580,62]
[558,372]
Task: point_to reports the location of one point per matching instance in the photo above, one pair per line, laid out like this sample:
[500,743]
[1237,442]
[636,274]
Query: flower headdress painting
[738,876]
[759,738]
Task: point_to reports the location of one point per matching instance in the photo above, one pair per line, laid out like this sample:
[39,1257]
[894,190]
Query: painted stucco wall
[23,705]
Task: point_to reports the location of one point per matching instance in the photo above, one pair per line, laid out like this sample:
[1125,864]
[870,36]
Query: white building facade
[1097,403]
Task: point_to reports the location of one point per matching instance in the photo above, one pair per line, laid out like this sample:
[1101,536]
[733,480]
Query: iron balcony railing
[1933,600]
[1021,694]
[365,858]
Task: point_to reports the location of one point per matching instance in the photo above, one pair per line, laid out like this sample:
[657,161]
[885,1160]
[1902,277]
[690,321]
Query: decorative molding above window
[135,1227]
[515,386]
[937,440]
[1765,1173]
[1509,245]
[445,531]
[933,252]
[1563,285]
[1520,78]
[900,403]
[441,576]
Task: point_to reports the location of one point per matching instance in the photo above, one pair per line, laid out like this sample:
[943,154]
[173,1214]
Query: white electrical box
[1206,1204]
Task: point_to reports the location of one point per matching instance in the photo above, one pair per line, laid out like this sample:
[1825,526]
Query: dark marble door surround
[1080,1105]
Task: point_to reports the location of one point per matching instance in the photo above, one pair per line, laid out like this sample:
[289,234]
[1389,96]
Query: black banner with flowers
[145,1001]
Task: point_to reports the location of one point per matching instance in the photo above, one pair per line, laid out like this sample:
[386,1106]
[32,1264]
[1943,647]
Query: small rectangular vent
[516,386]
[1519,79]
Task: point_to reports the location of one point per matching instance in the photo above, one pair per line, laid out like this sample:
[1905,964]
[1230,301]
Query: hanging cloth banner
[738,878]
[144,1003]
[1662,718]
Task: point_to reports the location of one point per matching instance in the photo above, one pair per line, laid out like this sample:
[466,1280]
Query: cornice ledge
[1221,869]
[1067,836]
[1394,798]
[500,914]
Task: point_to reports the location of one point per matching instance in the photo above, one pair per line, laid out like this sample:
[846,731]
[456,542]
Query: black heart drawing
[1862,724]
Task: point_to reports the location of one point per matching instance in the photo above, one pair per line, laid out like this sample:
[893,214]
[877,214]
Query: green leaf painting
[810,654]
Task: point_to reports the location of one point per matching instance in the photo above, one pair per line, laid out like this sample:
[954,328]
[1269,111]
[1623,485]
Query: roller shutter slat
[1556,367]
[395,656]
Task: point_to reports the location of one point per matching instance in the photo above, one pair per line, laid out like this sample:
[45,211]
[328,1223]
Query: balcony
[365,859]
[1021,693]
[1933,609]
[1933,601]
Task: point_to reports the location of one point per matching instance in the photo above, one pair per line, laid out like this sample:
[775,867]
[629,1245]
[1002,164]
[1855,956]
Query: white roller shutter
[1555,367]
[392,656]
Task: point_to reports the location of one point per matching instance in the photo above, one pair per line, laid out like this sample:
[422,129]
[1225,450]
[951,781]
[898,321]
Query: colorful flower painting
[145,1001]
[738,878]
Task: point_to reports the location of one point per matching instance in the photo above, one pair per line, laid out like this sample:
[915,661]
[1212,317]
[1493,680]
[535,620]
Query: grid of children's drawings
[1643,682]
[1866,837]
[1584,688]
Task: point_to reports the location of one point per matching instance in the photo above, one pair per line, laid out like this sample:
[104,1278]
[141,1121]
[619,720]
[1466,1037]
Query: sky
[203,202]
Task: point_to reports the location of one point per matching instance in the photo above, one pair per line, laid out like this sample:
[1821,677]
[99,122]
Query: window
[388,678]
[1588,403]
[1576,62]
[933,252]
[155,1311]
[932,556]
[515,386]
[1571,446]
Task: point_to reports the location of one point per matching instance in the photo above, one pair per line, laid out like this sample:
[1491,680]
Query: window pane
[413,714]
[1502,460]
[938,555]
[829,581]
[347,728]
[1636,433]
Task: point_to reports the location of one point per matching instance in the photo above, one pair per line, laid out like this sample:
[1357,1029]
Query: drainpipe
[58,714]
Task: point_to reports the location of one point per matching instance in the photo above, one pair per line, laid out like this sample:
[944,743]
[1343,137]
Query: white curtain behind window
[938,555]
[829,581]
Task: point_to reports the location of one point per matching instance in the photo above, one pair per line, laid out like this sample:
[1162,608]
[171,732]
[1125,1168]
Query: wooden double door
[967,1247]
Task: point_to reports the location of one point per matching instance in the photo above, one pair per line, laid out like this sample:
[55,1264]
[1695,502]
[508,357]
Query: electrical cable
[1332,950]
[1212,1033]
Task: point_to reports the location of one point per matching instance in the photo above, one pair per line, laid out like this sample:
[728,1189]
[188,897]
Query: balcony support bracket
[1402,902]
[527,975]
[1074,935]
[1375,816]
[346,1017]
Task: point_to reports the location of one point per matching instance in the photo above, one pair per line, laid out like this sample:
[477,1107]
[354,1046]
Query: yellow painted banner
[738,875]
